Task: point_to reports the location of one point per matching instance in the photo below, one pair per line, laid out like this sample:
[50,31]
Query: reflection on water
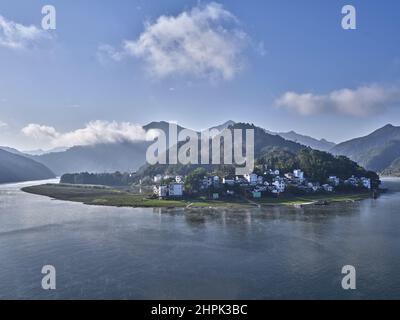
[278,252]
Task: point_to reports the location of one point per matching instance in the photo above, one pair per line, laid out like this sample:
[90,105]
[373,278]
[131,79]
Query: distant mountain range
[378,151]
[125,156]
[16,168]
[264,143]
[322,144]
[393,170]
[275,152]
[12,150]
[223,126]
[39,152]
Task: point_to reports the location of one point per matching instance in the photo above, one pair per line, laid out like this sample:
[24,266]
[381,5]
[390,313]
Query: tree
[194,179]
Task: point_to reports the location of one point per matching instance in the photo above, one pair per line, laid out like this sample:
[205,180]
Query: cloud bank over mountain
[95,132]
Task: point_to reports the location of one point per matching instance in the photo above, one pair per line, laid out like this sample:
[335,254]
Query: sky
[111,66]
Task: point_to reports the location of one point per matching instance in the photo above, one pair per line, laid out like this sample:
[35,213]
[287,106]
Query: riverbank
[106,196]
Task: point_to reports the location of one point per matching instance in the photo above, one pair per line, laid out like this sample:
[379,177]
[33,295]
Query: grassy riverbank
[97,195]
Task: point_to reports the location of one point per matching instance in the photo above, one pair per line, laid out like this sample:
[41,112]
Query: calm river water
[124,253]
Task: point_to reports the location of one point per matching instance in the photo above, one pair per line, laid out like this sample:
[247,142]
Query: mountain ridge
[317,144]
[375,151]
[17,168]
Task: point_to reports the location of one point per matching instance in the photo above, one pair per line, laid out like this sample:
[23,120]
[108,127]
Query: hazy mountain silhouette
[123,156]
[16,168]
[376,151]
[322,144]
[129,156]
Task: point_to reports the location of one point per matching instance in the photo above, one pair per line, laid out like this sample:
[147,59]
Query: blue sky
[284,65]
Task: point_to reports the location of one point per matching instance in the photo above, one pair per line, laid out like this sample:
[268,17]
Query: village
[271,183]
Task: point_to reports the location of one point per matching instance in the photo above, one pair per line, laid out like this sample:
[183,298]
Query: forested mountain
[376,151]
[270,151]
[277,153]
[125,156]
[317,144]
[263,142]
[129,156]
[223,126]
[317,165]
[16,168]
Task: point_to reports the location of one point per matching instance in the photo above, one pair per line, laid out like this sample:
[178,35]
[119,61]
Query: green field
[105,196]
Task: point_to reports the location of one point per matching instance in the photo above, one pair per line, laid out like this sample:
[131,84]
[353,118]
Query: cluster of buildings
[168,186]
[271,182]
[359,182]
[172,190]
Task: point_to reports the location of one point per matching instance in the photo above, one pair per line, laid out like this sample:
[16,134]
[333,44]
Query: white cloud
[3,124]
[362,101]
[94,132]
[40,132]
[105,51]
[205,42]
[18,36]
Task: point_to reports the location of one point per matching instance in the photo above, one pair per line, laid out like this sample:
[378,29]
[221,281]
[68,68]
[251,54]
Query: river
[126,253]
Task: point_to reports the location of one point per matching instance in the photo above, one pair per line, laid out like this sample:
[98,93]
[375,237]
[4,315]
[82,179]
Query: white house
[261,188]
[251,178]
[366,182]
[335,181]
[274,172]
[316,188]
[241,180]
[161,191]
[175,190]
[351,181]
[298,174]
[207,183]
[289,176]
[279,185]
[327,188]
[179,179]
[230,181]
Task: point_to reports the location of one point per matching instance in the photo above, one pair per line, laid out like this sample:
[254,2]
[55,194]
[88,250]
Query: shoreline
[108,196]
